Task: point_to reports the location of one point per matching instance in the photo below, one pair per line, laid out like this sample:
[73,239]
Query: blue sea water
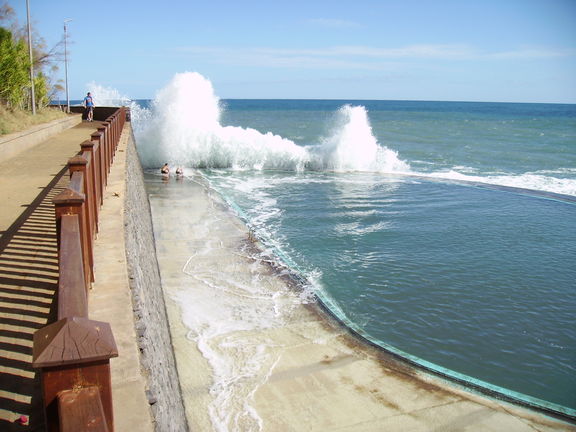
[446,230]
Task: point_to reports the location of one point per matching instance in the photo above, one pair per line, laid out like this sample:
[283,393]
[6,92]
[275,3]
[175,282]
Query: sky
[441,50]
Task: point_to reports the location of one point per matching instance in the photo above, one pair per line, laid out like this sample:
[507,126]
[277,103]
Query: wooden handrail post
[96,138]
[118,121]
[72,295]
[112,122]
[79,164]
[116,132]
[121,121]
[81,410]
[88,146]
[71,202]
[107,139]
[74,353]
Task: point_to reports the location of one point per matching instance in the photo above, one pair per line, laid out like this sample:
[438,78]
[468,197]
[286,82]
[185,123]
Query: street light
[31,61]
[66,63]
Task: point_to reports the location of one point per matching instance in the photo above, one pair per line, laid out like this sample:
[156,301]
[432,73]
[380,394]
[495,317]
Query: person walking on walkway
[89,105]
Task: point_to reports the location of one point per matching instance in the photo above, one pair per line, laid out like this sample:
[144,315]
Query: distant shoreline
[77,102]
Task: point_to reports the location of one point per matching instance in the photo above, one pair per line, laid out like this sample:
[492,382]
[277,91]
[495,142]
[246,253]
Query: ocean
[444,232]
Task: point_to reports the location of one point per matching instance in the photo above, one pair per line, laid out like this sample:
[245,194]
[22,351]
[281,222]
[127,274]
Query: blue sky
[466,50]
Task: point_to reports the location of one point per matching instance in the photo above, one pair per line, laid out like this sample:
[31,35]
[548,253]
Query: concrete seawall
[154,340]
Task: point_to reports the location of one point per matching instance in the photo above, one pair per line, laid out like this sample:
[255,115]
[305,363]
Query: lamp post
[66,63]
[32,95]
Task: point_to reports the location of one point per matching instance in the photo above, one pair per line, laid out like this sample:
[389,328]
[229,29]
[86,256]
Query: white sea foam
[110,97]
[184,128]
[358,229]
[107,96]
[222,317]
[353,147]
[230,302]
[532,181]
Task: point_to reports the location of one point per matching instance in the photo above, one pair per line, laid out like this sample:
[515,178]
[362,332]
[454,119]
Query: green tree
[15,64]
[41,90]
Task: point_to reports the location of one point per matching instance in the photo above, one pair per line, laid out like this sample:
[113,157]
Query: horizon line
[384,100]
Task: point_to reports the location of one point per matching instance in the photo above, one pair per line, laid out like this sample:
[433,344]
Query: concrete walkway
[29,277]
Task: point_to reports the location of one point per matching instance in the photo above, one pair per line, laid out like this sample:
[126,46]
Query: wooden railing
[73,353]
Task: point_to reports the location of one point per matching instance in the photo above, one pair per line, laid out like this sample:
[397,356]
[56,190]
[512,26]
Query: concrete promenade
[322,380]
[29,277]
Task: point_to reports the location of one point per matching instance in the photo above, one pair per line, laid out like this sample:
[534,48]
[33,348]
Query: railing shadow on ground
[28,284]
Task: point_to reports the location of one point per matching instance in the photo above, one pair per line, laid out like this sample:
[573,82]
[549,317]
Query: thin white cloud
[267,57]
[359,57]
[332,23]
[412,51]
[532,53]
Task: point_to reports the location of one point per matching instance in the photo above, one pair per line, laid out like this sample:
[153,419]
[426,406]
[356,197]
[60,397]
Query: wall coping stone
[13,144]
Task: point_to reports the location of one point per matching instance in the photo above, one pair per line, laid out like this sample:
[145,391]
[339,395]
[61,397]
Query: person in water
[89,105]
[165,169]
[179,171]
